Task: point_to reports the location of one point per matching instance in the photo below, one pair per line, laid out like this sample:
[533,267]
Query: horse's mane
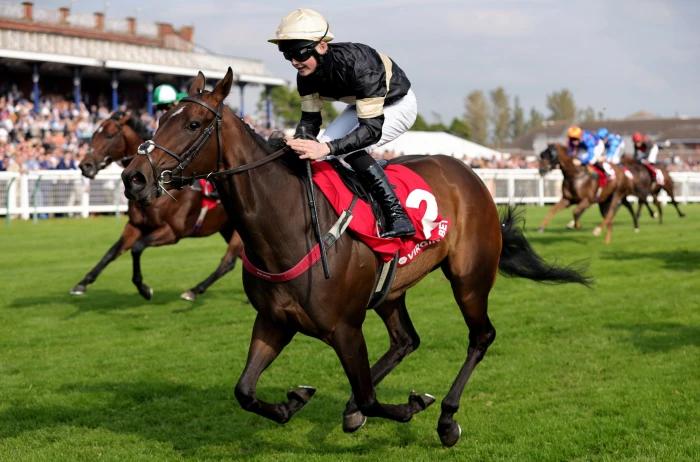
[135,123]
[290,160]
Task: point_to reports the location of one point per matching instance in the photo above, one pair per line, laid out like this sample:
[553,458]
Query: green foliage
[500,116]
[561,105]
[518,125]
[586,115]
[536,119]
[286,105]
[459,128]
[604,374]
[477,116]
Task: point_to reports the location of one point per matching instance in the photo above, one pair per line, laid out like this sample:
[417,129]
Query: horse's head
[108,144]
[549,159]
[186,143]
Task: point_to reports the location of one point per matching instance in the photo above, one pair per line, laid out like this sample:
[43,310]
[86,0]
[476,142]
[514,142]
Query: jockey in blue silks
[613,143]
[583,144]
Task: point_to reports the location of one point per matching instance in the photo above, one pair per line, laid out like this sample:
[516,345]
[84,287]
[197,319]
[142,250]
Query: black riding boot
[375,181]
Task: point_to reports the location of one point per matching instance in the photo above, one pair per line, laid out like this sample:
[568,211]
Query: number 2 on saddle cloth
[416,197]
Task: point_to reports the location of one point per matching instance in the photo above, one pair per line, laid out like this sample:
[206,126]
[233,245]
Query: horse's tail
[518,258]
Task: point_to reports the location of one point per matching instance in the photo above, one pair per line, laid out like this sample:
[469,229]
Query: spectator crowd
[57,136]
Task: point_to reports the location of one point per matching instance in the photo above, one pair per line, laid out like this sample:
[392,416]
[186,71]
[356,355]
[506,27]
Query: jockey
[614,145]
[584,145]
[164,97]
[644,149]
[382,105]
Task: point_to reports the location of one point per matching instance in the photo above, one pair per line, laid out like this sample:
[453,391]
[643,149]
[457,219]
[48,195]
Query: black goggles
[300,54]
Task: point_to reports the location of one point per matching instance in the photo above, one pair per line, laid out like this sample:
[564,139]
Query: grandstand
[98,60]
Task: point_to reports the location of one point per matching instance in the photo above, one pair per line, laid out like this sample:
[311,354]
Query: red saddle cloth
[602,177]
[207,190]
[654,173]
[416,197]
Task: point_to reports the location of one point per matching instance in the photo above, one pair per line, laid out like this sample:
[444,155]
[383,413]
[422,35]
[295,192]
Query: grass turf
[610,373]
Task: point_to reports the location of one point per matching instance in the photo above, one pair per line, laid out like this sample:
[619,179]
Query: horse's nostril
[138,180]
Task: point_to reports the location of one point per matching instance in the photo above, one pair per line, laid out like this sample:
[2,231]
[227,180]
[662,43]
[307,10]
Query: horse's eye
[194,125]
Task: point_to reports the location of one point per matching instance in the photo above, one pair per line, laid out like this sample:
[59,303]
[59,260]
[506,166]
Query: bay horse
[580,187]
[163,222]
[655,187]
[266,198]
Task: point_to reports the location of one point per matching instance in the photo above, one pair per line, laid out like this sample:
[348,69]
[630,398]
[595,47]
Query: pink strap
[304,264]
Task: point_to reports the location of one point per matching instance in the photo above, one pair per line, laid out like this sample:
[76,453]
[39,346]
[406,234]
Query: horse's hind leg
[130,235]
[669,190]
[628,206]
[228,262]
[267,342]
[562,204]
[403,339]
[474,305]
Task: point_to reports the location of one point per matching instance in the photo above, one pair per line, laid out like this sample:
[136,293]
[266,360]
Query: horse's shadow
[677,260]
[657,337]
[188,418]
[109,300]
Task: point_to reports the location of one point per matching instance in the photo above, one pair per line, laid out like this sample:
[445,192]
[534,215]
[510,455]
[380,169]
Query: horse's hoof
[636,230]
[571,225]
[449,434]
[146,292]
[302,393]
[188,295]
[540,229]
[353,422]
[78,290]
[421,401]
[596,231]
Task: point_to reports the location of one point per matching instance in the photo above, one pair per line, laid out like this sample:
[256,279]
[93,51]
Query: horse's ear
[223,87]
[124,118]
[197,85]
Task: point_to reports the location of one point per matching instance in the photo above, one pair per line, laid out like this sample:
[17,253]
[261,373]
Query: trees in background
[489,118]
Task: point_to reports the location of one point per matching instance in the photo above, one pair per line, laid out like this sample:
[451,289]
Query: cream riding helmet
[299,32]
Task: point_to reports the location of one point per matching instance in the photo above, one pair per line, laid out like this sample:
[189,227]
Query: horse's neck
[267,204]
[132,141]
[566,163]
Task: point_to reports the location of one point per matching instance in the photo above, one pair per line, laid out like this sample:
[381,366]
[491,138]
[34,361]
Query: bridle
[184,159]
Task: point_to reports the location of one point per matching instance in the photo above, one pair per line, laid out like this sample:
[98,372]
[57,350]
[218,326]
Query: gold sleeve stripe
[388,69]
[370,107]
[311,103]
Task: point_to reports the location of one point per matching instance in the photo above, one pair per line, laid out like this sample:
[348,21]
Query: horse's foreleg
[349,343]
[130,235]
[668,187]
[578,212]
[562,204]
[608,221]
[403,339]
[652,214]
[228,262]
[628,206]
[474,306]
[161,236]
[267,342]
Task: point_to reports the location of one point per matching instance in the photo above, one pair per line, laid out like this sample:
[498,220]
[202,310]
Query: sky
[617,56]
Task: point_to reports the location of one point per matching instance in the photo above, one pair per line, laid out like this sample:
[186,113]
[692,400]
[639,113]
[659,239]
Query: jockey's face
[309,66]
[574,142]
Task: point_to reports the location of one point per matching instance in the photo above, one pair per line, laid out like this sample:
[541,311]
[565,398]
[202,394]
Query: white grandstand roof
[47,47]
[418,142]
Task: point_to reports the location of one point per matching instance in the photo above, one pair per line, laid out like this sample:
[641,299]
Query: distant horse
[654,187]
[266,198]
[163,222]
[580,187]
